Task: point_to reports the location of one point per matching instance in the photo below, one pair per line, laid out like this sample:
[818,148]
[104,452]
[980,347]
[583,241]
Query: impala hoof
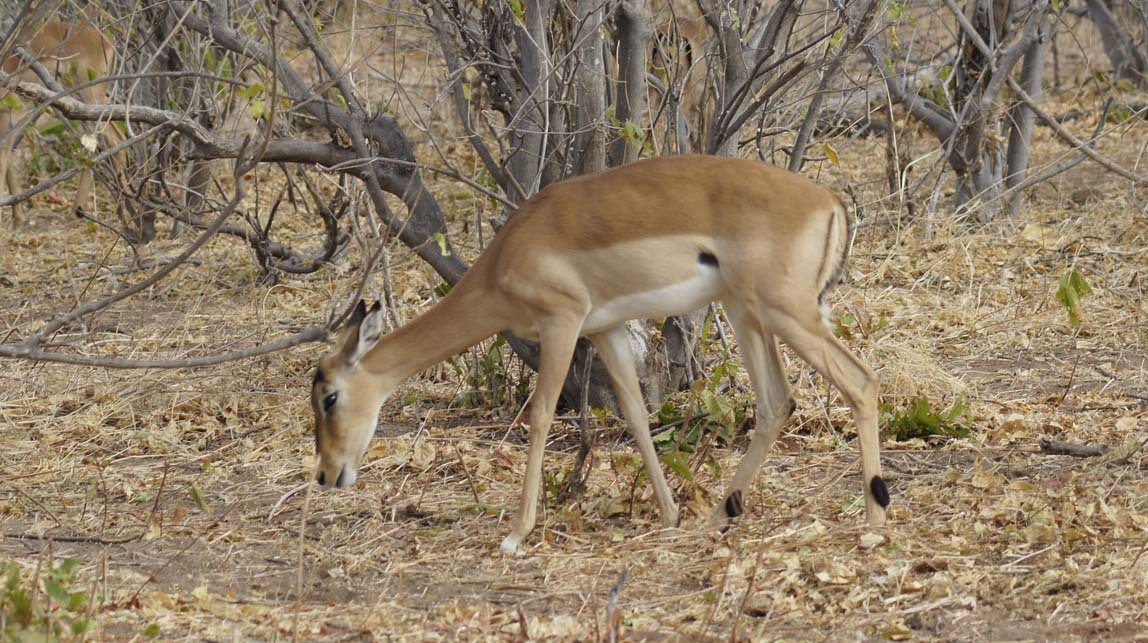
[719,521]
[509,546]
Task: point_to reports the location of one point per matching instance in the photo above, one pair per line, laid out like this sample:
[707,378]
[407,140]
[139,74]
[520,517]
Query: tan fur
[678,57]
[637,239]
[71,52]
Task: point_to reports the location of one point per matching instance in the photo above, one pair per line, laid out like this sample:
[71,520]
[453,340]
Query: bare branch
[241,167]
[28,352]
[1068,137]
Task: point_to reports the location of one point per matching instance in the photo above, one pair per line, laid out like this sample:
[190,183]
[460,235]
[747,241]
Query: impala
[678,59]
[655,238]
[71,52]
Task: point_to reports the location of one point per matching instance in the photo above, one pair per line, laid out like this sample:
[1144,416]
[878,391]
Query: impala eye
[330,400]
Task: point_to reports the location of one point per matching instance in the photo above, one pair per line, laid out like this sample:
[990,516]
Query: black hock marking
[733,504]
[792,407]
[321,479]
[708,259]
[880,491]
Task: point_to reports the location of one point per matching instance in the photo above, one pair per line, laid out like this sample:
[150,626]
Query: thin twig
[300,562]
[613,618]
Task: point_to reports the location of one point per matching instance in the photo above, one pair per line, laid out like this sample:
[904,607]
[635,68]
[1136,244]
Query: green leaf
[920,421]
[197,497]
[77,601]
[13,581]
[441,239]
[257,108]
[11,103]
[54,128]
[676,463]
[1071,288]
[57,592]
[1079,284]
[836,40]
[611,116]
[632,131]
[518,9]
[80,626]
[251,91]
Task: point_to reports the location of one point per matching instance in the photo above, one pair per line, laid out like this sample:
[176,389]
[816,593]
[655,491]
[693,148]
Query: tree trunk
[1022,119]
[530,125]
[976,155]
[633,38]
[1128,61]
[590,145]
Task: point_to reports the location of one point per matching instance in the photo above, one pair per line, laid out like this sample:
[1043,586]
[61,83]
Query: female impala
[656,238]
[72,52]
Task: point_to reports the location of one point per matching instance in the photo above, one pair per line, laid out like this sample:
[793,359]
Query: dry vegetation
[165,485]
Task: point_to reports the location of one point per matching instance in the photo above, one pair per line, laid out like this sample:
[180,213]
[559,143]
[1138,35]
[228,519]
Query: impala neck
[462,319]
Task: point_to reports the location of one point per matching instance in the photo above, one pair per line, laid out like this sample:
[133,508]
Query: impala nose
[346,478]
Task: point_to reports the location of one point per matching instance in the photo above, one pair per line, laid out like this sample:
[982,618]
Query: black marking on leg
[792,407]
[733,504]
[708,259]
[880,490]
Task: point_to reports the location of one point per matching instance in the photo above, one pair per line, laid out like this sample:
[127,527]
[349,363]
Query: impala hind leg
[762,360]
[812,340]
[614,349]
[558,340]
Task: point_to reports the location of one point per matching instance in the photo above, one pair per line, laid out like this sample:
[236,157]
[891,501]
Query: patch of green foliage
[706,416]
[1071,288]
[44,611]
[919,420]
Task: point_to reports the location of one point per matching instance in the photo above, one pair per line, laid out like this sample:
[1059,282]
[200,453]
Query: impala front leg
[558,340]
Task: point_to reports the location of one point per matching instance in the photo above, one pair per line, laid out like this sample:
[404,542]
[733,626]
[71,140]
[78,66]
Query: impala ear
[362,332]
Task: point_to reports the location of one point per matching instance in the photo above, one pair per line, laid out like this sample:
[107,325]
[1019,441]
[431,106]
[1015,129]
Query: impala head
[346,397]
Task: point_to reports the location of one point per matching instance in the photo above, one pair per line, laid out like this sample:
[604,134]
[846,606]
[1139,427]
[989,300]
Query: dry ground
[166,484]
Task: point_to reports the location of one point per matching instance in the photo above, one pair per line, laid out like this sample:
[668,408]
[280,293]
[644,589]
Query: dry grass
[988,539]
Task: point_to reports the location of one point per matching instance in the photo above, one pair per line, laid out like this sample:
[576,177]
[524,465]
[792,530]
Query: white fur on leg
[719,521]
[510,544]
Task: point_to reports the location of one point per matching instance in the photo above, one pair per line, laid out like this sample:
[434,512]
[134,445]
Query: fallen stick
[1057,447]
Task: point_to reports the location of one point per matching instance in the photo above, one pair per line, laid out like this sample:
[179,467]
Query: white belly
[676,299]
